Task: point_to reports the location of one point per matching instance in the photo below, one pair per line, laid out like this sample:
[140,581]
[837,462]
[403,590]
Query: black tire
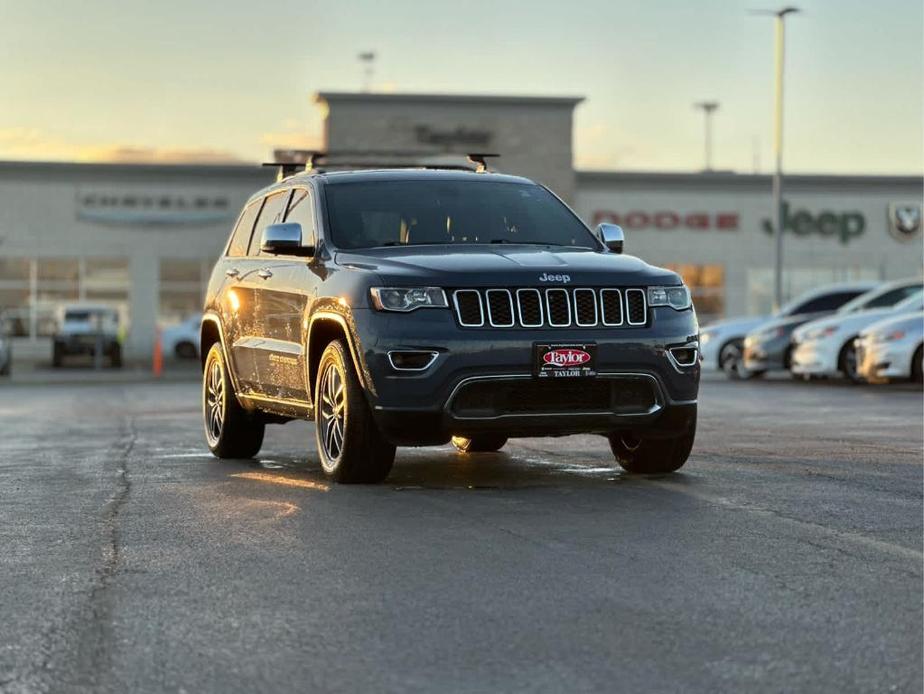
[350,446]
[230,431]
[186,350]
[6,368]
[847,362]
[917,365]
[485,443]
[652,456]
[115,356]
[731,359]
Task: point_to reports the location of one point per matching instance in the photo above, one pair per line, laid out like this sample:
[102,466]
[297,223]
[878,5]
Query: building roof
[730,179]
[446,98]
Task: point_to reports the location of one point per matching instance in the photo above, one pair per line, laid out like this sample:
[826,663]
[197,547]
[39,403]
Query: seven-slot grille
[554,307]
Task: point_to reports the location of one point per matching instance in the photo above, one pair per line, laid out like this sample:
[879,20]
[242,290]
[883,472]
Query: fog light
[411,360]
[683,356]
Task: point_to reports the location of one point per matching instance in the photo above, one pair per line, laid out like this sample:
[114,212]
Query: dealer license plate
[565,360]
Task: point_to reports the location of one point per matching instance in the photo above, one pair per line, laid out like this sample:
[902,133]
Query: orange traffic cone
[157,365]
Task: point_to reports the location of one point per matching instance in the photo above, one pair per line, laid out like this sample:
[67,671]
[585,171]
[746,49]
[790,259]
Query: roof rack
[478,159]
[291,161]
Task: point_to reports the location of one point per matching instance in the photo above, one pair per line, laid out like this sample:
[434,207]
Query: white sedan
[182,340]
[892,349]
[825,347]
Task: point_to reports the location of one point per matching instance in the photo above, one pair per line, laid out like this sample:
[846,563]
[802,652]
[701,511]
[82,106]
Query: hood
[736,326]
[909,322]
[843,322]
[781,326]
[508,265]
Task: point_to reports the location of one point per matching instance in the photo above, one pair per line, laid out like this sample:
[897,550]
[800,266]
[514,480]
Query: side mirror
[284,239]
[612,236]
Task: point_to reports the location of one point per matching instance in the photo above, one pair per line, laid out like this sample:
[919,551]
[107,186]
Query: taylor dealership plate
[565,360]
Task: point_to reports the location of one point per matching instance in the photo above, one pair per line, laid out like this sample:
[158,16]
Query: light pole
[778,151]
[368,59]
[708,108]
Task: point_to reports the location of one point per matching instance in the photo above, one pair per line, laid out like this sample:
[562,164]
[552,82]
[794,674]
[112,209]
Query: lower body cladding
[425,390]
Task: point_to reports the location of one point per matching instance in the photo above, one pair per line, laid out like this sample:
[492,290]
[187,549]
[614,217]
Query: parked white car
[825,347]
[722,344]
[892,349]
[182,340]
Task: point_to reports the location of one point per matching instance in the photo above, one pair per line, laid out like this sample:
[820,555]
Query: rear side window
[272,213]
[302,211]
[240,237]
[827,302]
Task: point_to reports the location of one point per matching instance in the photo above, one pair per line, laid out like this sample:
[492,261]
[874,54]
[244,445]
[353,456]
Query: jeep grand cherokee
[417,307]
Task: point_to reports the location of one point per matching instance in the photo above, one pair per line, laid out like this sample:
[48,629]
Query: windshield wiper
[526,243]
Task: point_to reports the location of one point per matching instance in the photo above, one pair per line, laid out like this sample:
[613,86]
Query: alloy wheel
[333,412]
[214,402]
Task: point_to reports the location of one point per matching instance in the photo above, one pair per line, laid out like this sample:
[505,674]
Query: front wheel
[350,446]
[486,443]
[917,365]
[847,363]
[652,456]
[230,431]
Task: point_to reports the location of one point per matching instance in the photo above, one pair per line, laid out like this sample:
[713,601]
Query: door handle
[232,272]
[265,274]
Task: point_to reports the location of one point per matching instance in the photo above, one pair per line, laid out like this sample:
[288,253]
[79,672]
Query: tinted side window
[826,302]
[302,211]
[240,237]
[893,297]
[272,212]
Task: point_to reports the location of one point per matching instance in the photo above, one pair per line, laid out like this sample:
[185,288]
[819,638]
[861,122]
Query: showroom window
[31,289]
[182,288]
[707,286]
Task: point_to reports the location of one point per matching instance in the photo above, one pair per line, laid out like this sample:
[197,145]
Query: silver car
[892,349]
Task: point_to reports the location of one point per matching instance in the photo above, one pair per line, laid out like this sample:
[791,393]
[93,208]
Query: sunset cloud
[33,144]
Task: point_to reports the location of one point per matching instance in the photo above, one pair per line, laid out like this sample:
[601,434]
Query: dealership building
[143,238]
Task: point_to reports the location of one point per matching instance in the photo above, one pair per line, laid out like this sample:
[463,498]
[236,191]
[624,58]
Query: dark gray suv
[416,307]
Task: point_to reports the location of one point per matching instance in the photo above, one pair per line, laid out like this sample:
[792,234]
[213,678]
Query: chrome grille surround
[505,296]
[555,307]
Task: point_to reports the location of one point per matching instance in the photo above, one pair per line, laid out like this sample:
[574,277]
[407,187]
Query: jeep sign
[844,226]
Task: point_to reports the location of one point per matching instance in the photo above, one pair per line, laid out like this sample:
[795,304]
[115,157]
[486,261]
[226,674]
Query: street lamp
[708,108]
[778,151]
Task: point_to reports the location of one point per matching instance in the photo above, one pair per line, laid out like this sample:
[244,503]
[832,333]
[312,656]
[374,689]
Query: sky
[172,80]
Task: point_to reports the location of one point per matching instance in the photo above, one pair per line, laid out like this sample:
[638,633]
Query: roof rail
[478,159]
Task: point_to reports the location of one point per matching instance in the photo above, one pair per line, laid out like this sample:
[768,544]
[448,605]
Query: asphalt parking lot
[786,555]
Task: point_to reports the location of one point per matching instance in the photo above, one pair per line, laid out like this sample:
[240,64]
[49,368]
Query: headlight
[675,297]
[705,337]
[819,333]
[406,299]
[890,336]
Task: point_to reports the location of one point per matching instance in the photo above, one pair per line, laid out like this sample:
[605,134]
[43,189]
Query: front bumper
[765,356]
[815,358]
[880,361]
[419,407]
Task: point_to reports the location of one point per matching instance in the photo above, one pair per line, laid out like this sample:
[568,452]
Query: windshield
[915,302]
[883,297]
[396,213]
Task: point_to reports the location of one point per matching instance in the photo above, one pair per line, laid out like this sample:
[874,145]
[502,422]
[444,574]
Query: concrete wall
[533,134]
[44,214]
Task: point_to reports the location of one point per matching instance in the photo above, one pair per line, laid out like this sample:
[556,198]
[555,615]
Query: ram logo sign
[904,220]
